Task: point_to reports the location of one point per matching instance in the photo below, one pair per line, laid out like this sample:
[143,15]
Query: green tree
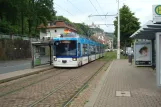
[39,11]
[128,25]
[62,18]
[23,16]
[83,29]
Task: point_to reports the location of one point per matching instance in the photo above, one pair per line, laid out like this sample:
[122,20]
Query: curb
[23,75]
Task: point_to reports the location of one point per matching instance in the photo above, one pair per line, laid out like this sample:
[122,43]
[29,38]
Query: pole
[50,53]
[32,54]
[118,34]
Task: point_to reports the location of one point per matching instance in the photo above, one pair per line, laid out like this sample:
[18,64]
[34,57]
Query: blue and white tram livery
[75,51]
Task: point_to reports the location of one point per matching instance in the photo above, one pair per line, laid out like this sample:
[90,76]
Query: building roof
[57,24]
[147,31]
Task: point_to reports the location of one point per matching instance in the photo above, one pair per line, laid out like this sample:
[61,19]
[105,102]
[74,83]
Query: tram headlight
[74,59]
[55,59]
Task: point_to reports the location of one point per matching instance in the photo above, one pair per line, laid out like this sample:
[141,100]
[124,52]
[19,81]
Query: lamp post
[118,34]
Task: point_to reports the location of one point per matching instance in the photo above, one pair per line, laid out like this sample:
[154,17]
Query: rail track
[51,90]
[17,86]
[67,103]
[62,86]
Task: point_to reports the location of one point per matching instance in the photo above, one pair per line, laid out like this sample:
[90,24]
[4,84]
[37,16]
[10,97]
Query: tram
[72,50]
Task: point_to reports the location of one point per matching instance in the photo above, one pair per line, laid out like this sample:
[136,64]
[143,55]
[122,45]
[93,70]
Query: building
[54,29]
[102,38]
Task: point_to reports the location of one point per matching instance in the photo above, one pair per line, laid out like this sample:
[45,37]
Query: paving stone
[139,81]
[34,92]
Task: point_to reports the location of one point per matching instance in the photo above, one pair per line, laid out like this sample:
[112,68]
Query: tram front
[65,53]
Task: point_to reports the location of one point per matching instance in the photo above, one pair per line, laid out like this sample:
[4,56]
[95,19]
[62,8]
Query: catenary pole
[118,34]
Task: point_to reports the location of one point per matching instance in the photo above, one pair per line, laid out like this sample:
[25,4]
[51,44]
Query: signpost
[143,53]
[157,13]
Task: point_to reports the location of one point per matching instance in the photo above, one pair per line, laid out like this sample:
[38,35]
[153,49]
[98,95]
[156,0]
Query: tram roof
[75,36]
[82,40]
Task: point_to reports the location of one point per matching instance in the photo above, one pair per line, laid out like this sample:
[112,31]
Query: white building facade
[54,29]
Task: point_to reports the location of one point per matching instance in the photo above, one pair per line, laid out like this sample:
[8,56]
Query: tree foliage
[23,16]
[128,25]
[83,29]
[62,18]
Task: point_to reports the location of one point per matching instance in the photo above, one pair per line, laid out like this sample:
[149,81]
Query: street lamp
[118,34]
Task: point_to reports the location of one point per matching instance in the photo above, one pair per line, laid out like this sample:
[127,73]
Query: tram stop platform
[22,73]
[125,85]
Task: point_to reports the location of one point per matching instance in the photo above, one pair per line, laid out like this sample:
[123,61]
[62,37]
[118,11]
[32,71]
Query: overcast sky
[79,10]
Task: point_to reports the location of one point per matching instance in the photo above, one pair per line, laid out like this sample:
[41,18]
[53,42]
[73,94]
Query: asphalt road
[10,66]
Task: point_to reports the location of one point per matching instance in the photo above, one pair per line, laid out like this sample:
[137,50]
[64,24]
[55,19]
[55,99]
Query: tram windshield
[65,48]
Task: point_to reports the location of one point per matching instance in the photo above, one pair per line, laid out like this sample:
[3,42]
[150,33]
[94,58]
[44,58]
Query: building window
[55,31]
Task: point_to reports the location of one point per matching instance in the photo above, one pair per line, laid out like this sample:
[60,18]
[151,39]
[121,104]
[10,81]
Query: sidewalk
[15,65]
[21,73]
[126,86]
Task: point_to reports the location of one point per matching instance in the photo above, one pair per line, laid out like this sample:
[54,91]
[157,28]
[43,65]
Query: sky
[79,10]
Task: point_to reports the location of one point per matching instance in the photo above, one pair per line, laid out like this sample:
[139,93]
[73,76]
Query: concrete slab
[123,94]
[22,73]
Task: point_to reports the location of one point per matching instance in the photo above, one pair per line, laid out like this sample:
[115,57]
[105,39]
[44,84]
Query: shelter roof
[147,31]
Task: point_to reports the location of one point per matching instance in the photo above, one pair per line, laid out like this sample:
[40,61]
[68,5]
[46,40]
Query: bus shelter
[41,53]
[151,31]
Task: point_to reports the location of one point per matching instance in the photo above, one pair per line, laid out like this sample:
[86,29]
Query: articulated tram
[74,51]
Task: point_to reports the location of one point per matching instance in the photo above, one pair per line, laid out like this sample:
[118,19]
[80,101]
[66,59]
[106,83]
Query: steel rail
[54,90]
[35,82]
[83,87]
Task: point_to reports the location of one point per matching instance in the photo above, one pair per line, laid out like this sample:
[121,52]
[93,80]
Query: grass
[109,56]
[112,55]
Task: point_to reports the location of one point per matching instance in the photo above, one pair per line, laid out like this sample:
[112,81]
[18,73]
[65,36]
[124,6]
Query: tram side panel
[92,57]
[84,60]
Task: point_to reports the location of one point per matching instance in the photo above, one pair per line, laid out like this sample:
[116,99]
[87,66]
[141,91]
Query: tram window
[65,48]
[89,49]
[97,49]
[92,50]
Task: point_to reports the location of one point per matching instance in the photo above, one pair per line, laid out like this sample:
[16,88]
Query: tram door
[79,54]
[79,50]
